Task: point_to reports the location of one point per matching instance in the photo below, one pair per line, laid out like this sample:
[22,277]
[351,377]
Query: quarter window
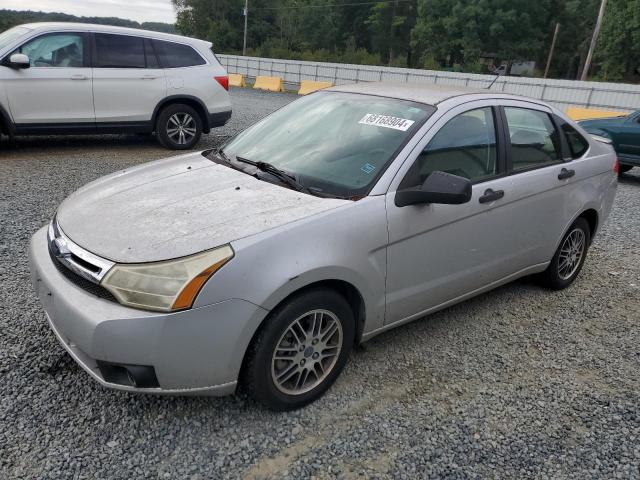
[176,55]
[577,143]
[534,139]
[55,50]
[464,146]
[119,51]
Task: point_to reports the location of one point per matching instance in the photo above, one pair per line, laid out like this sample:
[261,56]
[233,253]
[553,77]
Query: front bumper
[196,352]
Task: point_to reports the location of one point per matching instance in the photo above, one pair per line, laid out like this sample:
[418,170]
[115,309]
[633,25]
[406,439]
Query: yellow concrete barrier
[579,113]
[309,86]
[236,80]
[273,84]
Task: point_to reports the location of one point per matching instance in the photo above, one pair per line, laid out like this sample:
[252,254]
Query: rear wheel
[179,127]
[569,258]
[624,168]
[301,350]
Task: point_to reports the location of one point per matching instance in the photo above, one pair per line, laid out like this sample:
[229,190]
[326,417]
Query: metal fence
[560,93]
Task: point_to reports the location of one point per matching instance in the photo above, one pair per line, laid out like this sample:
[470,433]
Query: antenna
[494,81]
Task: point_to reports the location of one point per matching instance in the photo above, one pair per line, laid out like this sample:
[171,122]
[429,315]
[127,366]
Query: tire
[624,168]
[564,266]
[279,383]
[170,121]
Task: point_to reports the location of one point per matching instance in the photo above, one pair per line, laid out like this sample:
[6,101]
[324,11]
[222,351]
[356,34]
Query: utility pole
[594,39]
[553,46]
[246,15]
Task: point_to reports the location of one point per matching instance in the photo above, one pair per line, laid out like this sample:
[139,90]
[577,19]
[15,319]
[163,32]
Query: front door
[438,253]
[56,88]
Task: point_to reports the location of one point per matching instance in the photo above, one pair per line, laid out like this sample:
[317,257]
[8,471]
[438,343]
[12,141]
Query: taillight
[616,166]
[223,81]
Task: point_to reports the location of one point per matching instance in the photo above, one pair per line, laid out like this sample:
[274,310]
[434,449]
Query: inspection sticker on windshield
[386,121]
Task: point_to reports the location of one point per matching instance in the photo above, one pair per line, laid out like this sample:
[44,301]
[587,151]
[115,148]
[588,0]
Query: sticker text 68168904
[386,121]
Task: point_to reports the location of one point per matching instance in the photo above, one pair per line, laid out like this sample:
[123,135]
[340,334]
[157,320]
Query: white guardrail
[559,93]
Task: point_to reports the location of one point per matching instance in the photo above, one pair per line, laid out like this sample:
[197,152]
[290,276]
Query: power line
[302,7]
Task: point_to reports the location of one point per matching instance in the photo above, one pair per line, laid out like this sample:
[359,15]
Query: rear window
[578,145]
[176,55]
[119,51]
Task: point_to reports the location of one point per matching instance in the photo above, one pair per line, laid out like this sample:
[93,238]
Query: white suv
[74,78]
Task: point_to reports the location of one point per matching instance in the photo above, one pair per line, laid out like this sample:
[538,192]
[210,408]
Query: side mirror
[18,61]
[439,187]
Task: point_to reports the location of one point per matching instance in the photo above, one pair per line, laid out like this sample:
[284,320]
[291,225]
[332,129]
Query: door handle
[564,174]
[79,77]
[491,195]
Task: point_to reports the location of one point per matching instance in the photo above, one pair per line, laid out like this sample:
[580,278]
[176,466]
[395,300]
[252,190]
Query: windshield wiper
[283,176]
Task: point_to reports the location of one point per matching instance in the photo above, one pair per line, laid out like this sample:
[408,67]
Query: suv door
[128,82]
[439,253]
[56,88]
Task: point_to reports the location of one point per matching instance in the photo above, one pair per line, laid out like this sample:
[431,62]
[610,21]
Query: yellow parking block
[236,80]
[273,84]
[579,113]
[309,86]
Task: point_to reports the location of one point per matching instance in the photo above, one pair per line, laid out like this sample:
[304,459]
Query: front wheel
[179,127]
[301,350]
[569,258]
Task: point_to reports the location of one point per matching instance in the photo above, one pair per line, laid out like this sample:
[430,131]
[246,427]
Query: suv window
[534,139]
[577,143]
[176,55]
[119,51]
[55,50]
[464,146]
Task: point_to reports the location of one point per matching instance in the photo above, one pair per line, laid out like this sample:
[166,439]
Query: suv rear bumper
[219,119]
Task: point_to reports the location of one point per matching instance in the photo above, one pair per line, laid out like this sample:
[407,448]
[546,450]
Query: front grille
[83,283]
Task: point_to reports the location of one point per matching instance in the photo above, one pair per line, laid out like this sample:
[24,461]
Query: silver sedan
[344,214]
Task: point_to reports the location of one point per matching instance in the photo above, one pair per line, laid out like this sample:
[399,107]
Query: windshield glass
[333,143]
[8,36]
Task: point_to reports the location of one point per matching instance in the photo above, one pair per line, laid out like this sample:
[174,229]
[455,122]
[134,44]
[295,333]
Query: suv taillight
[223,81]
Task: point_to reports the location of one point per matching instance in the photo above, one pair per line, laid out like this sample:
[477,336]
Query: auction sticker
[386,121]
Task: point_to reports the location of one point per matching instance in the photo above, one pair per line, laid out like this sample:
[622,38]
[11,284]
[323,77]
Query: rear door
[56,89]
[128,82]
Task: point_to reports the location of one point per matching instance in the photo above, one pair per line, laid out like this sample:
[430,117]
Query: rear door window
[534,139]
[176,55]
[119,51]
[578,145]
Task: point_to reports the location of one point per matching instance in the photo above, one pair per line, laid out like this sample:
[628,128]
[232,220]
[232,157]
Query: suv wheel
[569,258]
[179,127]
[300,351]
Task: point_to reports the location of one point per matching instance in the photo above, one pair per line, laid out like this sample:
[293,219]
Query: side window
[534,139]
[55,50]
[150,54]
[176,55]
[577,143]
[464,146]
[119,51]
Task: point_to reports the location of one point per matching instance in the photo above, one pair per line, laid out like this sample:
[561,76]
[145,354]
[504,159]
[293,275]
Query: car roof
[421,92]
[91,27]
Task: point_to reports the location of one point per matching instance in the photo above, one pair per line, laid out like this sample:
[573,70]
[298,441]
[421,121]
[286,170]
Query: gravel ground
[519,382]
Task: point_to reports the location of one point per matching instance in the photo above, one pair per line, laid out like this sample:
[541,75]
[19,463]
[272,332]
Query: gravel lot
[520,382]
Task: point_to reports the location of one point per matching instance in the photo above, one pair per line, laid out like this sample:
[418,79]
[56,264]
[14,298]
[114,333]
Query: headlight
[165,286]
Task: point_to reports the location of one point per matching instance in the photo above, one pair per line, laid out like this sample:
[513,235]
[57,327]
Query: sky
[140,10]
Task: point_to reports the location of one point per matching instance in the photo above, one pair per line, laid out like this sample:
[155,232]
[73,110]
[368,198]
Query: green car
[624,132]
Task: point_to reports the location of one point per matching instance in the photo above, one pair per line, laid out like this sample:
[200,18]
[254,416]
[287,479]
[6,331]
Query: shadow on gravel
[629,178]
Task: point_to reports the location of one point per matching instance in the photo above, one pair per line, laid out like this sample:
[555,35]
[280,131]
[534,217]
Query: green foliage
[11,18]
[434,34]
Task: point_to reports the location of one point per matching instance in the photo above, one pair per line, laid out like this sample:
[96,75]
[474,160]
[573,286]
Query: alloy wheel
[181,128]
[571,253]
[307,352]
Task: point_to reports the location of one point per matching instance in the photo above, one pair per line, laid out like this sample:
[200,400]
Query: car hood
[602,122]
[176,207]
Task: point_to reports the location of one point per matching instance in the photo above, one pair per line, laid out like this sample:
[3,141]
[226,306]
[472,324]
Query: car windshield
[8,36]
[333,143]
